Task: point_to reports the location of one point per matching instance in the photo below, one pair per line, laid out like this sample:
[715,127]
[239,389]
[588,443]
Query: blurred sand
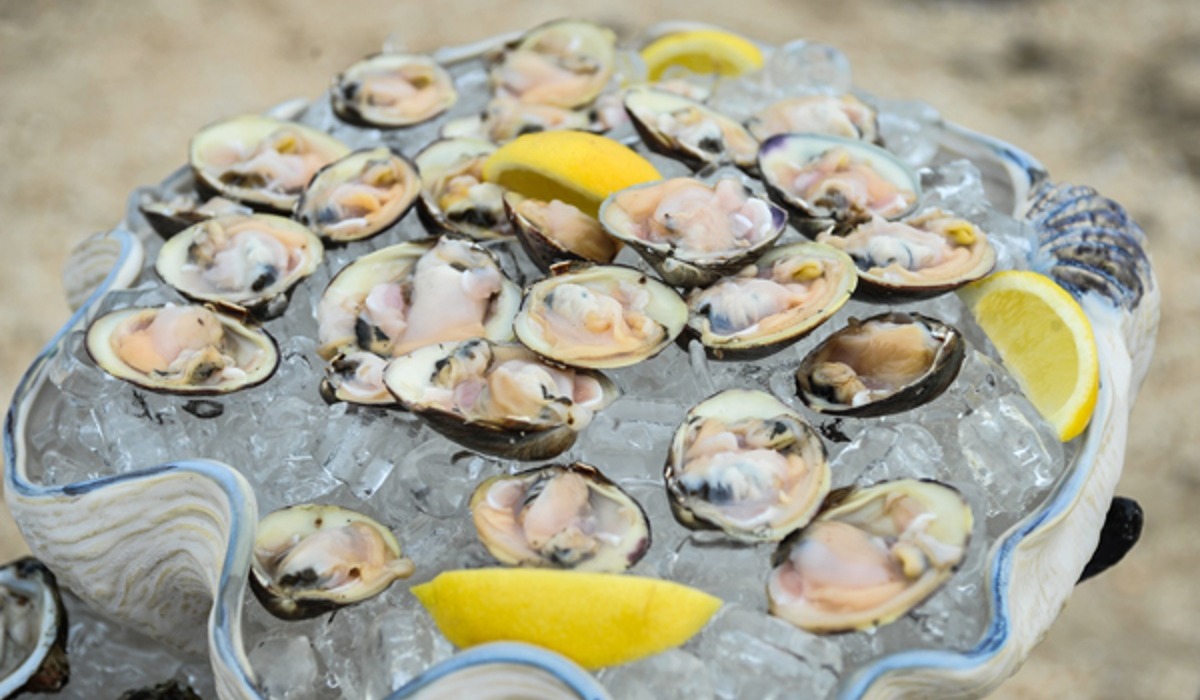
[98,100]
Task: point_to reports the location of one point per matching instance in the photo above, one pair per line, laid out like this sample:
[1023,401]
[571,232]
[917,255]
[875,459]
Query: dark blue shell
[1089,243]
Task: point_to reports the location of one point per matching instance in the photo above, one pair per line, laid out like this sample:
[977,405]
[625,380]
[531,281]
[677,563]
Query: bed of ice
[982,436]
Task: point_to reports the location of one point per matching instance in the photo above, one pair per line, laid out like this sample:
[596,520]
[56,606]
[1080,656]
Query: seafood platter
[541,310]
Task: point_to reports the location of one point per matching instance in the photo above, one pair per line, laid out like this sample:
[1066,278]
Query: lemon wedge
[1045,340]
[575,167]
[702,51]
[594,619]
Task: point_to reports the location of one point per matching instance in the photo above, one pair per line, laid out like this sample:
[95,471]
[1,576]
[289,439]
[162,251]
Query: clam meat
[568,517]
[310,559]
[917,257]
[834,115]
[682,128]
[181,349]
[359,196]
[260,161]
[565,63]
[744,463]
[886,364]
[773,302]
[244,263]
[33,630]
[505,118]
[393,90]
[499,399]
[599,316]
[690,232]
[872,558]
[454,196]
[403,297]
[554,231]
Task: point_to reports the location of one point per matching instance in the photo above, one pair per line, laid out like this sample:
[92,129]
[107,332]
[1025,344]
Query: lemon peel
[702,51]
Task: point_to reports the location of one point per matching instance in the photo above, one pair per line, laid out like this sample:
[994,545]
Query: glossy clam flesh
[359,195]
[871,559]
[393,90]
[569,517]
[500,399]
[554,231]
[835,183]
[744,463]
[33,630]
[260,161]
[564,63]
[170,215]
[682,128]
[181,349]
[834,115]
[454,196]
[309,559]
[505,118]
[247,263]
[923,255]
[691,232]
[403,297]
[885,364]
[599,316]
[777,300]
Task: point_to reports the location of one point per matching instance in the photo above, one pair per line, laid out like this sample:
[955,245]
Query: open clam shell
[915,258]
[680,128]
[831,183]
[259,161]
[390,91]
[770,304]
[310,559]
[561,516]
[690,232]
[454,196]
[886,364]
[181,350]
[872,558]
[554,232]
[744,463]
[246,264]
[845,116]
[564,63]
[599,316]
[33,622]
[499,399]
[359,196]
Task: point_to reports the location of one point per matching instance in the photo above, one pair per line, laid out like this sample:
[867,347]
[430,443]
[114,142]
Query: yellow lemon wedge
[1045,340]
[594,619]
[702,51]
[575,167]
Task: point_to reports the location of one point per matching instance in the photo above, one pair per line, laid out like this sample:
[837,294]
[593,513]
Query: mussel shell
[951,526]
[804,148]
[506,437]
[752,346]
[342,95]
[261,304]
[343,171]
[947,360]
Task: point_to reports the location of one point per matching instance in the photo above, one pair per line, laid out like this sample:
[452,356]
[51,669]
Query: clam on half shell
[454,196]
[390,91]
[359,196]
[565,63]
[567,517]
[869,560]
[780,298]
[886,364]
[499,399]
[744,463]
[33,622]
[680,128]
[181,350]
[309,559]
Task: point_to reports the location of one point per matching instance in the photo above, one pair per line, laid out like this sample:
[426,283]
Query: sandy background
[96,99]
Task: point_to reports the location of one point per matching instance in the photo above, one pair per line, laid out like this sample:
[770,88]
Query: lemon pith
[596,620]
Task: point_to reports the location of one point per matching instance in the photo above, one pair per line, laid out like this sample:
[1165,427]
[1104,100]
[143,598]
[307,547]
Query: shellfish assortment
[442,328]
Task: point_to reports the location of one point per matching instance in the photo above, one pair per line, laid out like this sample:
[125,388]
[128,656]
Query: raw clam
[599,316]
[359,196]
[886,364]
[391,90]
[871,558]
[454,196]
[692,233]
[33,630]
[565,63]
[505,118]
[181,350]
[833,115]
[744,463]
[260,161]
[553,232]
[247,264]
[833,183]
[767,305]
[310,559]
[570,517]
[499,399]
[685,129]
